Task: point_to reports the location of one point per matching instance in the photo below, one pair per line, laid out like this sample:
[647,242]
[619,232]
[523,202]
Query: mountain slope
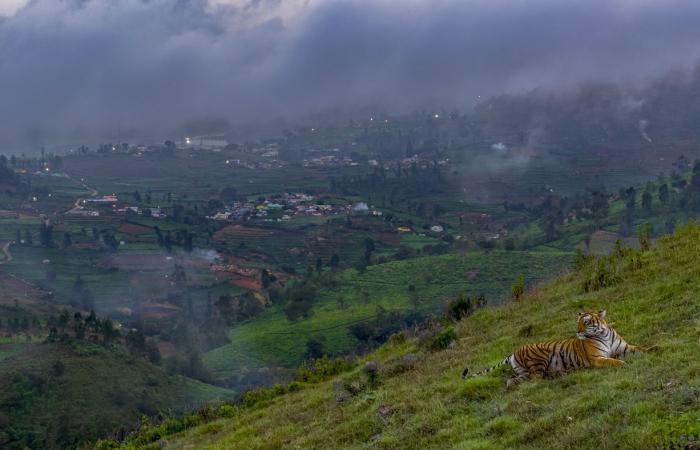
[419,401]
[56,395]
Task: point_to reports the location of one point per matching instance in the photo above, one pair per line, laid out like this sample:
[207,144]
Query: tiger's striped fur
[596,345]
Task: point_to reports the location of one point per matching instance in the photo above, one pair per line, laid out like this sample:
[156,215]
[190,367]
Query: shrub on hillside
[609,270]
[443,339]
[517,289]
[582,260]
[462,306]
[396,366]
[322,369]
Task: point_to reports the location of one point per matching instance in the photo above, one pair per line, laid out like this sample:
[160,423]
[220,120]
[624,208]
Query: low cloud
[72,70]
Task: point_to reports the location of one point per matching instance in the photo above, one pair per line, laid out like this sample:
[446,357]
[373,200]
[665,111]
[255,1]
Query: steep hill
[416,399]
[56,395]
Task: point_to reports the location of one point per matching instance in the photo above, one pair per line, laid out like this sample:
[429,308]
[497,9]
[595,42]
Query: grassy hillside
[421,402]
[271,340]
[58,395]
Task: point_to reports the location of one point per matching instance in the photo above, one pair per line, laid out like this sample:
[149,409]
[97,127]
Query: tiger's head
[591,324]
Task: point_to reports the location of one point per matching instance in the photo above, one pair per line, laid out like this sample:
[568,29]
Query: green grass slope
[651,402]
[59,395]
[271,340]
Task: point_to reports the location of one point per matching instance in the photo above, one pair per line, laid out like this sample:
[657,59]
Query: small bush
[443,339]
[459,307]
[517,289]
[600,276]
[398,338]
[396,366]
[371,371]
[582,259]
[645,232]
[322,369]
[227,411]
[211,428]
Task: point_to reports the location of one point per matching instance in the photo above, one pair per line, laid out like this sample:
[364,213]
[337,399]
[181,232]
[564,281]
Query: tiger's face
[591,324]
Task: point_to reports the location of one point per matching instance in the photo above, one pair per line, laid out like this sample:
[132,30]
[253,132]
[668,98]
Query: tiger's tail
[465,372]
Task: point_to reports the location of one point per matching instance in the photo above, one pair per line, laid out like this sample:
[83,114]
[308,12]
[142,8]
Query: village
[287,207]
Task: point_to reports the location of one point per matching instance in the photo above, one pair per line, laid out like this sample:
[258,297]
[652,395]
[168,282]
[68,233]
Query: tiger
[596,345]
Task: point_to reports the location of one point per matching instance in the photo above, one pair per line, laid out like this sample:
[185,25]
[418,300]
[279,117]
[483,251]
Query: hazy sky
[83,68]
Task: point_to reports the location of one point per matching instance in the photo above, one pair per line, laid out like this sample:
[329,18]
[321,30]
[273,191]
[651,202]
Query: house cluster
[286,207]
[405,163]
[104,199]
[268,151]
[259,165]
[156,213]
[330,161]
[83,208]
[215,142]
[84,212]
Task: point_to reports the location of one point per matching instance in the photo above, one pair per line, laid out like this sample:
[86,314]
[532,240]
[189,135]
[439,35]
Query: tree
[646,202]
[267,278]
[46,235]
[78,284]
[159,235]
[87,300]
[663,194]
[152,352]
[214,205]
[110,241]
[551,230]
[300,297]
[599,206]
[369,248]
[670,225]
[627,223]
[630,196]
[168,241]
[645,233]
[187,244]
[693,191]
[228,194]
[518,288]
[135,341]
[314,348]
[509,244]
[459,307]
[58,368]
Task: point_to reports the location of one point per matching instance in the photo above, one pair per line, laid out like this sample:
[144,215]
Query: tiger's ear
[602,313]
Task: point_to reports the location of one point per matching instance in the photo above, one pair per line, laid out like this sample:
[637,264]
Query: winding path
[6,251]
[77,205]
